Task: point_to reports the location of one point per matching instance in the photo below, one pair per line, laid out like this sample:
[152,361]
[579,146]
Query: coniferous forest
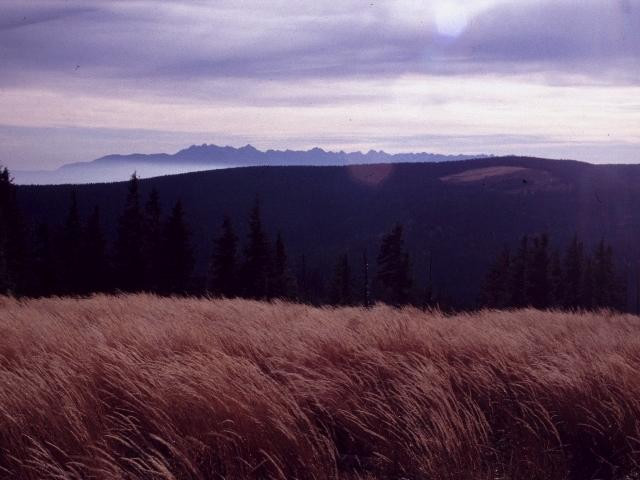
[152,253]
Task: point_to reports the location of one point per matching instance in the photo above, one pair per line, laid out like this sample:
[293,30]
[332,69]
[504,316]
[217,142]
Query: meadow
[141,387]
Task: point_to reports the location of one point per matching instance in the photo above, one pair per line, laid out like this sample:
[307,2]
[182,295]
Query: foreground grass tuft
[142,387]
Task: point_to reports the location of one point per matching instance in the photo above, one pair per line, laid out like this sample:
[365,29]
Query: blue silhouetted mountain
[210,157]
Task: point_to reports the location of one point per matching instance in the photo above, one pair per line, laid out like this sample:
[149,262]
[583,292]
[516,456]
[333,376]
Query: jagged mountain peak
[206,156]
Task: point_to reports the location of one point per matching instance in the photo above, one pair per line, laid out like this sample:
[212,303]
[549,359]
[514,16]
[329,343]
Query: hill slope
[462,212]
[141,387]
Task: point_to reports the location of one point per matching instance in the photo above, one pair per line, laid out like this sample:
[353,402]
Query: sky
[554,78]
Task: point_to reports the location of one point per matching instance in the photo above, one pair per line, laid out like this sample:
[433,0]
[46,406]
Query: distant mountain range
[195,158]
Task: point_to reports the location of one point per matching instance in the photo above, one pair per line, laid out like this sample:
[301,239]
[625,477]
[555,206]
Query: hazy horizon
[554,79]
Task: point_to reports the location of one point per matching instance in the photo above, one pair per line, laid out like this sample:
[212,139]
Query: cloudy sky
[83,78]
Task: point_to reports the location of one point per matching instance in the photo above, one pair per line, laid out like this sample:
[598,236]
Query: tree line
[152,253]
[539,276]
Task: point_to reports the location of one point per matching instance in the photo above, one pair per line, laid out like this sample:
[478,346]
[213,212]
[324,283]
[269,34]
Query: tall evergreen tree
[556,281]
[538,273]
[6,200]
[366,293]
[257,257]
[394,271]
[44,282]
[519,275]
[13,245]
[152,235]
[130,258]
[223,275]
[94,255]
[587,285]
[71,261]
[6,188]
[496,290]
[604,279]
[303,281]
[178,262]
[280,281]
[429,298]
[574,273]
[341,288]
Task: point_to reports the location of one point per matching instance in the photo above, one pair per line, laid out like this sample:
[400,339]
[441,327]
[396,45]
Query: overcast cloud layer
[82,78]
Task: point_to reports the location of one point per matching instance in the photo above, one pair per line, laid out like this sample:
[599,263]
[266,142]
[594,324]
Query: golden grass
[142,387]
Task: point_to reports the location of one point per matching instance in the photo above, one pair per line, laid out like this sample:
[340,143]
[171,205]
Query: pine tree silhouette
[6,194]
[44,281]
[574,263]
[257,257]
[13,245]
[394,271]
[496,291]
[223,275]
[152,234]
[129,260]
[366,294]
[94,255]
[279,282]
[341,286]
[71,261]
[556,281]
[538,273]
[429,299]
[604,294]
[587,285]
[178,262]
[303,281]
[519,275]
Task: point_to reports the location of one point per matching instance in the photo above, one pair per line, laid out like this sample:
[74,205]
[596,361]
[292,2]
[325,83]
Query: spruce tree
[366,294]
[538,273]
[341,287]
[279,283]
[428,299]
[177,258]
[94,255]
[257,257]
[394,271]
[71,261]
[519,275]
[303,281]
[13,244]
[44,282]
[6,199]
[152,235]
[604,281]
[496,289]
[556,281]
[129,260]
[587,285]
[574,273]
[223,275]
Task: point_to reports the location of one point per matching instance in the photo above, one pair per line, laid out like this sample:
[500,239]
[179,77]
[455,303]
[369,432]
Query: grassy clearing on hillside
[142,387]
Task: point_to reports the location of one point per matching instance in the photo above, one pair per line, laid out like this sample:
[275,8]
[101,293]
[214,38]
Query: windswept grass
[142,387]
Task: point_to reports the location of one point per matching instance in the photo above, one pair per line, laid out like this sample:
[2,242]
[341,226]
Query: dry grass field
[142,387]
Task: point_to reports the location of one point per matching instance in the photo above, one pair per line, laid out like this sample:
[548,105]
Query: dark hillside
[463,212]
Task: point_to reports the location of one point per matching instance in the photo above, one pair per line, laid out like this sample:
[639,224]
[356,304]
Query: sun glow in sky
[81,79]
[451,18]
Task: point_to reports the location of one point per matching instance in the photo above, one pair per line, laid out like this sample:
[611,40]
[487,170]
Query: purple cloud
[115,42]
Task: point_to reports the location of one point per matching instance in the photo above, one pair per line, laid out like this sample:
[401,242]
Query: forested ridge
[318,224]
